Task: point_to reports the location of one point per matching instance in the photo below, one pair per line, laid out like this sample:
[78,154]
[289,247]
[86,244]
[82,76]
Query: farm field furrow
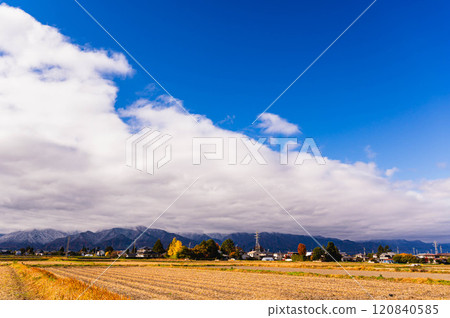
[10,285]
[199,289]
[133,290]
[215,283]
[339,271]
[180,288]
[192,283]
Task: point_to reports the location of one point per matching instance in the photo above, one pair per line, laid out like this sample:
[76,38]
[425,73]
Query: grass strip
[306,274]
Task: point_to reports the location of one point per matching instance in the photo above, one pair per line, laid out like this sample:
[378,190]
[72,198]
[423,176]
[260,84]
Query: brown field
[193,283]
[59,278]
[22,282]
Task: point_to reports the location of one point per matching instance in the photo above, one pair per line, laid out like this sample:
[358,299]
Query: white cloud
[227,120]
[274,124]
[62,159]
[391,172]
[369,152]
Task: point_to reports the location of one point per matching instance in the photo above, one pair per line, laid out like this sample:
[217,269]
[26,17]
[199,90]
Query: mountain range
[121,238]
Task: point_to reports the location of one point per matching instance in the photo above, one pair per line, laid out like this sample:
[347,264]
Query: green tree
[228,247]
[237,254]
[398,259]
[382,250]
[206,250]
[405,258]
[184,252]
[332,253]
[61,250]
[109,249]
[158,247]
[317,253]
[298,258]
[422,260]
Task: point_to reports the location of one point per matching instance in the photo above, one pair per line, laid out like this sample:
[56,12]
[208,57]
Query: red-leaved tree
[301,249]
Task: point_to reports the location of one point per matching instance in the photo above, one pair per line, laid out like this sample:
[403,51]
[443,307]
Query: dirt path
[386,274]
[11,287]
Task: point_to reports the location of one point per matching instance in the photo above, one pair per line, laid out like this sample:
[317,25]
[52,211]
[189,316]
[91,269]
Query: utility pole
[67,248]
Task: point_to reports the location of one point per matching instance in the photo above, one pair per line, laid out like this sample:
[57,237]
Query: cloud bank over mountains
[62,159]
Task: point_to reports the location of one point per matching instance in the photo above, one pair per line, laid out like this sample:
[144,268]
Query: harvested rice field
[196,283]
[11,286]
[71,279]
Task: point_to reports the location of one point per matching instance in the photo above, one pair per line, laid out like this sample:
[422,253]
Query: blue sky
[383,84]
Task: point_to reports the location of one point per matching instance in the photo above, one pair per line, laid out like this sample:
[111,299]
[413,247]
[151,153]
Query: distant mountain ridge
[31,238]
[121,238]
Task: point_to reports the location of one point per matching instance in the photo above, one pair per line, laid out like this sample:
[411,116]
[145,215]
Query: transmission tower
[257,246]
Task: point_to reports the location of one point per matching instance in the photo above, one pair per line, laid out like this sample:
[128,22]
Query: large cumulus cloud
[62,159]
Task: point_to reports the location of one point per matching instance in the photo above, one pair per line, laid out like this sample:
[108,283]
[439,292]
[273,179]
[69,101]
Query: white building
[100,253]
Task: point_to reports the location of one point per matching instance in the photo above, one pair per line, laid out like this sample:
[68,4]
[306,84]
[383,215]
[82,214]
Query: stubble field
[68,279]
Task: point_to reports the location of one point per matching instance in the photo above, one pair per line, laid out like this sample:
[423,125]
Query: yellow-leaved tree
[174,248]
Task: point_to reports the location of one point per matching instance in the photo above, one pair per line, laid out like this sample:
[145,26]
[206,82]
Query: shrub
[298,258]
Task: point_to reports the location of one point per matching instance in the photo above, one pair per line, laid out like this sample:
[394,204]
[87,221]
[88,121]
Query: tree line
[329,253]
[208,249]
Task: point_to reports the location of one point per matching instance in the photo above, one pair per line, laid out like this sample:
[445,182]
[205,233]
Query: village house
[87,254]
[255,254]
[386,257]
[146,252]
[39,253]
[277,256]
[100,253]
[438,258]
[345,257]
[288,256]
[360,257]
